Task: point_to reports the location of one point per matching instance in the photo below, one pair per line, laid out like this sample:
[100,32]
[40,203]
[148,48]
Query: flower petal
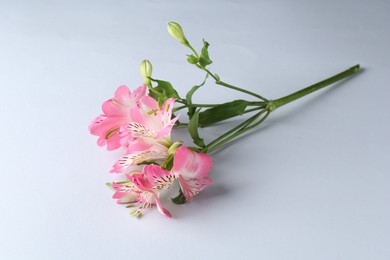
[191,187]
[137,130]
[160,179]
[139,93]
[134,158]
[142,183]
[190,164]
[125,193]
[146,114]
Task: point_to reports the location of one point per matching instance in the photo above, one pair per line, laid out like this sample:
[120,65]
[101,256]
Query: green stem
[193,50]
[221,83]
[178,108]
[257,104]
[239,132]
[303,92]
[253,109]
[272,105]
[237,128]
[179,124]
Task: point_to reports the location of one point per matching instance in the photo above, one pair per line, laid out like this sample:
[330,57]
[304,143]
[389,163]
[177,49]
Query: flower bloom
[190,169]
[143,189]
[147,136]
[137,122]
[116,114]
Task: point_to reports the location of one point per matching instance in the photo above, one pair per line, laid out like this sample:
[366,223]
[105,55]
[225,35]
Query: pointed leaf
[165,90]
[222,112]
[193,127]
[191,110]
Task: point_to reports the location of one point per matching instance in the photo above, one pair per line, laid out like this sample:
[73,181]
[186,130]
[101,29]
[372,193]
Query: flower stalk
[303,92]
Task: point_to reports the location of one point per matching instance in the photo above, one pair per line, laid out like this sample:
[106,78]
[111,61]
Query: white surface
[312,183]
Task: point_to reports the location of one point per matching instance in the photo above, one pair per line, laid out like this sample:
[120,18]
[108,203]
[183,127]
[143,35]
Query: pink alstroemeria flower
[191,169]
[149,120]
[143,189]
[116,114]
[148,135]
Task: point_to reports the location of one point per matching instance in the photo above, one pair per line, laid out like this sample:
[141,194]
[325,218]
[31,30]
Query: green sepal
[180,199]
[204,58]
[193,127]
[168,164]
[191,110]
[222,112]
[164,89]
[192,59]
[147,163]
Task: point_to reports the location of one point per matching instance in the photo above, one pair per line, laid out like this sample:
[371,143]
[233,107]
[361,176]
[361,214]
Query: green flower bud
[146,71]
[176,31]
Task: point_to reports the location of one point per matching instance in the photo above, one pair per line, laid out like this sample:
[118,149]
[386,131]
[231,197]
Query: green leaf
[193,127]
[165,90]
[191,110]
[204,58]
[180,199]
[222,112]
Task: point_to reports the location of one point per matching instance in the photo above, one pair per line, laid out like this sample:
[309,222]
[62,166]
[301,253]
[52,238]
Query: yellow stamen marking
[111,132]
[152,112]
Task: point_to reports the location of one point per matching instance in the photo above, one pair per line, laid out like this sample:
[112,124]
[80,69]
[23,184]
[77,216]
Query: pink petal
[159,178]
[145,185]
[107,128]
[167,107]
[95,124]
[120,104]
[139,180]
[139,146]
[124,193]
[139,93]
[146,114]
[161,209]
[191,187]
[114,142]
[167,129]
[190,164]
[137,129]
[133,158]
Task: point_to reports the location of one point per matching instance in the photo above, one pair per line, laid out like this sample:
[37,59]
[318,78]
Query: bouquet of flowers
[141,121]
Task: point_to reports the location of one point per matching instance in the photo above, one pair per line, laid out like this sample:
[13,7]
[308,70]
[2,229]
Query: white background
[311,183]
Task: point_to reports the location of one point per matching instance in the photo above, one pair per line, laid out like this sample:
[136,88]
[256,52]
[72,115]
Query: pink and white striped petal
[138,157]
[141,181]
[160,179]
[191,187]
[190,164]
[191,169]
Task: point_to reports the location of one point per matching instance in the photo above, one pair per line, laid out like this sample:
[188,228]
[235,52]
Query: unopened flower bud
[146,71]
[176,31]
